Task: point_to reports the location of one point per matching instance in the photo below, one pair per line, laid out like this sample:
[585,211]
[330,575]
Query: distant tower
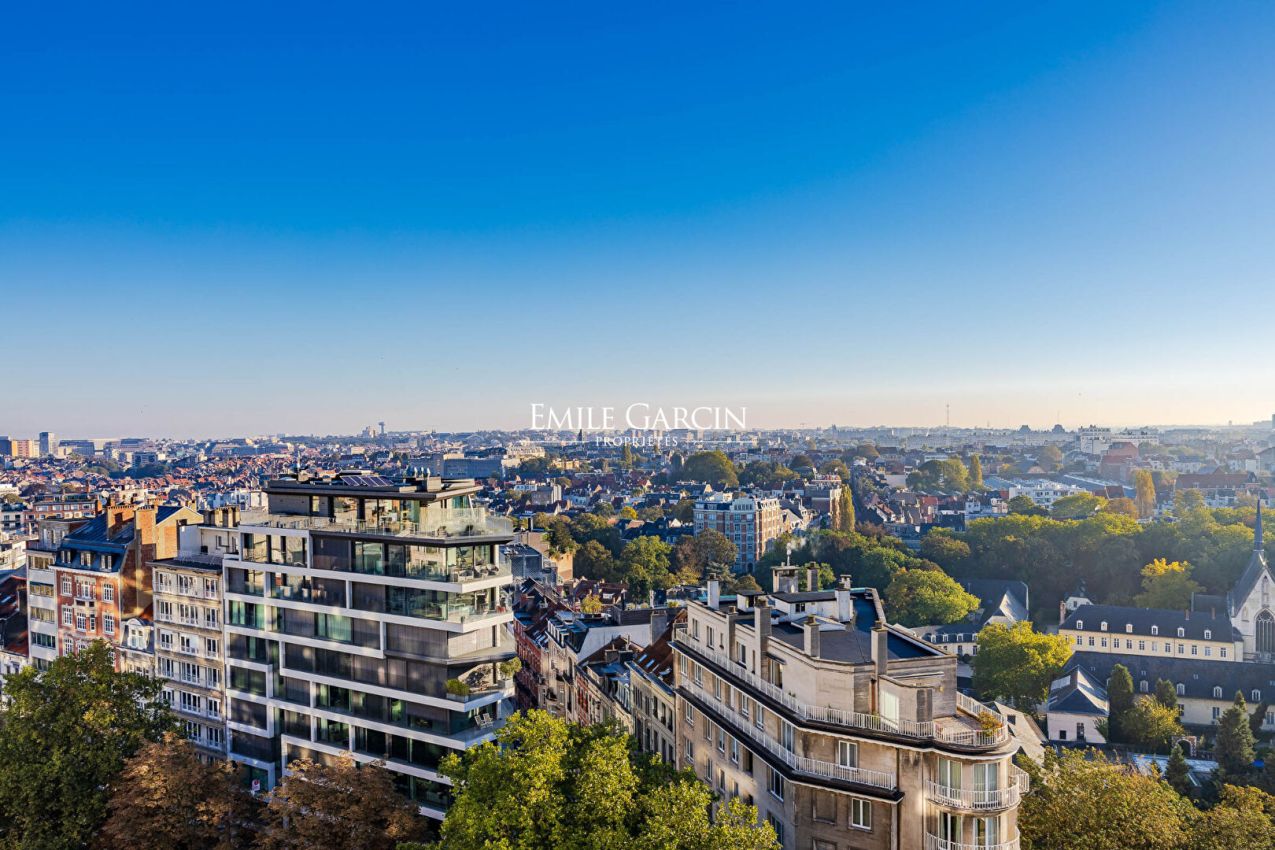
[382,424]
[48,443]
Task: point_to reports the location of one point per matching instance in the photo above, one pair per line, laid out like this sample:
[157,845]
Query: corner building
[369,616]
[844,731]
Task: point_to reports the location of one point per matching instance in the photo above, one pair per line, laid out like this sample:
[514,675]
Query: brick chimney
[811,629]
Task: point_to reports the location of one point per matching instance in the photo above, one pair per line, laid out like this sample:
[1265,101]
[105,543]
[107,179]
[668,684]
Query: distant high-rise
[48,443]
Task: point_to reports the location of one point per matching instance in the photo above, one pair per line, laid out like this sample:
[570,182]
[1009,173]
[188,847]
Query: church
[1220,645]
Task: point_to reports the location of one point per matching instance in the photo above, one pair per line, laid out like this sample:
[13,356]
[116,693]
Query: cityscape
[676,427]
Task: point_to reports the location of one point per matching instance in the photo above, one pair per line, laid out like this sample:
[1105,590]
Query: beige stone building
[844,731]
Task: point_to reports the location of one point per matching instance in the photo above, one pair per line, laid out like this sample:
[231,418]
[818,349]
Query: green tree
[1119,702]
[920,597]
[644,565]
[712,468]
[1166,693]
[66,733]
[594,561]
[1049,458]
[944,549]
[1015,663]
[1234,746]
[338,806]
[845,513]
[1242,818]
[550,783]
[628,512]
[1177,773]
[1151,726]
[1080,799]
[1024,505]
[1144,492]
[1077,506]
[976,472]
[1122,506]
[1167,585]
[835,467]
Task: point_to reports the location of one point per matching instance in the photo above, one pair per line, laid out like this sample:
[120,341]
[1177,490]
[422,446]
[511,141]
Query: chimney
[714,593]
[812,578]
[845,603]
[811,629]
[761,625]
[880,648]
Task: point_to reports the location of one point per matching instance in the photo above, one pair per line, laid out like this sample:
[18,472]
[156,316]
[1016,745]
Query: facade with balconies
[844,731]
[371,617]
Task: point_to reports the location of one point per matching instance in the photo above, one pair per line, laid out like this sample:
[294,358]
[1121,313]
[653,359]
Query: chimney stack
[714,593]
[812,578]
[845,603]
[811,629]
[761,625]
[880,648]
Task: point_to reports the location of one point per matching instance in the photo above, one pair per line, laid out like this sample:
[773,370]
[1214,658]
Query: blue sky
[307,219]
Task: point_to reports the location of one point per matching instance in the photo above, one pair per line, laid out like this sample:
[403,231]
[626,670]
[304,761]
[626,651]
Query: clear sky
[242,218]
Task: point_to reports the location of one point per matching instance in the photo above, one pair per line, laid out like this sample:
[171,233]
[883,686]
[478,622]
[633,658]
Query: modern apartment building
[750,522]
[846,732]
[369,616]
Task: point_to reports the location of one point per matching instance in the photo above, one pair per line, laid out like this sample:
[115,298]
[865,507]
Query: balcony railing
[929,730]
[800,764]
[981,800]
[934,842]
[449,523]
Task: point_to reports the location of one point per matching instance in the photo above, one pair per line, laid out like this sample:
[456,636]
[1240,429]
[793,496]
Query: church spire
[1258,542]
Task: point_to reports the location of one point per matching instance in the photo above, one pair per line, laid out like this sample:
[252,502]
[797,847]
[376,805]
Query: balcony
[434,524]
[934,842]
[974,800]
[954,731]
[745,730]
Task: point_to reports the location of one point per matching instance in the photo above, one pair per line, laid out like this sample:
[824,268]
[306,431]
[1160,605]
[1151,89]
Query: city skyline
[847,215]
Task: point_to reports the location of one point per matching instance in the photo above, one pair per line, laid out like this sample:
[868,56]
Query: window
[1155,630]
[847,754]
[108,593]
[1217,692]
[1103,626]
[1208,634]
[1217,712]
[690,714]
[108,624]
[776,784]
[211,646]
[824,810]
[1181,689]
[68,615]
[860,813]
[1222,651]
[81,622]
[1143,686]
[1142,646]
[1128,628]
[1181,632]
[1256,695]
[1080,624]
[66,585]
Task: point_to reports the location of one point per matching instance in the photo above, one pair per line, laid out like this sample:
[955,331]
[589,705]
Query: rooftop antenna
[948,417]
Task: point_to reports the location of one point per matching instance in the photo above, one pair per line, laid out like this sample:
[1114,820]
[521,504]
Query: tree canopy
[1015,663]
[712,468]
[919,597]
[549,783]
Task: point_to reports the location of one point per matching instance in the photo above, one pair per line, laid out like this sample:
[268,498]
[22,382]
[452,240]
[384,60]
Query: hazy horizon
[437,217]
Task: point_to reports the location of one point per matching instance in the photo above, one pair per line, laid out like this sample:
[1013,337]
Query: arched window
[1208,634]
[1256,696]
[1128,628]
[1265,626]
[1181,632]
[1181,689]
[1155,630]
[1080,624]
[1217,692]
[1103,627]
[1143,686]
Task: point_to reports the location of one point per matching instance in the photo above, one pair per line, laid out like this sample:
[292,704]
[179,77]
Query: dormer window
[1256,695]
[1128,628]
[1208,634]
[1181,689]
[1103,627]
[1155,630]
[1080,624]
[1181,632]
[1144,686]
[1217,692]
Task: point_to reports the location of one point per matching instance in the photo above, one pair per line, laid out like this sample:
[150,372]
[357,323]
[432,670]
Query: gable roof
[1253,572]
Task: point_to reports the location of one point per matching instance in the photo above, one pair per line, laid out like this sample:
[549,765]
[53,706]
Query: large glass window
[334,627]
